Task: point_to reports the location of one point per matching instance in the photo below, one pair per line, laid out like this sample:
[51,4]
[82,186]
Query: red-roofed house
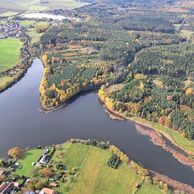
[47,191]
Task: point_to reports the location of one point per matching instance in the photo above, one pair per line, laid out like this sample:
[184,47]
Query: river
[22,124]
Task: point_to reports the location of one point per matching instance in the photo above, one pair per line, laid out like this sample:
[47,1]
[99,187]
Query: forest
[141,50]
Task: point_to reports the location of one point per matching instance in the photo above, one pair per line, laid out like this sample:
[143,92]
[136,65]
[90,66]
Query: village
[11,29]
[48,170]
[12,183]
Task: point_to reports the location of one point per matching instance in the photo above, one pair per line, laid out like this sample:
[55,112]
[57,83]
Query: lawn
[87,171]
[94,176]
[9,53]
[72,155]
[27,160]
[97,178]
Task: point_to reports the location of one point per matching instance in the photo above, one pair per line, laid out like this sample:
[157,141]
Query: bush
[114,161]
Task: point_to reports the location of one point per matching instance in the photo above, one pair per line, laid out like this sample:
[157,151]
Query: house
[45,159]
[47,191]
[29,192]
[53,184]
[16,185]
[6,187]
[2,171]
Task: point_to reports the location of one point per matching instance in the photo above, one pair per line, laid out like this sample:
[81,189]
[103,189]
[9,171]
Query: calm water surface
[22,124]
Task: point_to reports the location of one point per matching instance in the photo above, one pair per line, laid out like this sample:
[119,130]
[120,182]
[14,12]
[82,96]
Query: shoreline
[63,104]
[115,115]
[26,62]
[17,78]
[176,185]
[156,136]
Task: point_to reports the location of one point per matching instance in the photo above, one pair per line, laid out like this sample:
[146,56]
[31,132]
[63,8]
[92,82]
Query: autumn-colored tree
[15,153]
[189,91]
[2,178]
[46,172]
[44,59]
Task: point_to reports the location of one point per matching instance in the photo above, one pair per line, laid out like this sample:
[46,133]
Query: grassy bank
[9,53]
[175,137]
[84,170]
[26,162]
[10,57]
[97,177]
[94,176]
[172,135]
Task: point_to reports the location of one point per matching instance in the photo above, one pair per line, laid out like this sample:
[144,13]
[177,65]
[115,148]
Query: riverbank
[13,80]
[13,73]
[64,98]
[66,102]
[156,133]
[75,159]
[174,137]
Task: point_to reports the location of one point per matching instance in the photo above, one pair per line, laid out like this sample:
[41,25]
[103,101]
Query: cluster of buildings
[9,187]
[43,191]
[12,187]
[11,29]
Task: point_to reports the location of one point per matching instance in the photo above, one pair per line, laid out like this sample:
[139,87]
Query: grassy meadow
[35,5]
[9,53]
[27,160]
[94,176]
[85,171]
[31,30]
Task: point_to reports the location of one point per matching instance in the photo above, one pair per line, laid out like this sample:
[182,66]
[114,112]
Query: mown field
[27,160]
[9,53]
[94,176]
[97,177]
[36,5]
[81,168]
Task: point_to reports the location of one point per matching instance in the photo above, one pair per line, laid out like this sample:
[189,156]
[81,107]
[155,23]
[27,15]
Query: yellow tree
[15,153]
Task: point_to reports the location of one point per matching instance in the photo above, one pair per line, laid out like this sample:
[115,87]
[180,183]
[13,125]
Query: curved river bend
[22,124]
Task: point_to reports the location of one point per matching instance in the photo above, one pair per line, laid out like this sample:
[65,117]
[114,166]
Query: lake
[22,124]
[38,15]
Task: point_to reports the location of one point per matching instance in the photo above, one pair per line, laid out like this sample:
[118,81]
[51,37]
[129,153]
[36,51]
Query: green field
[27,160]
[97,177]
[36,5]
[9,53]
[31,30]
[85,171]
[94,176]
